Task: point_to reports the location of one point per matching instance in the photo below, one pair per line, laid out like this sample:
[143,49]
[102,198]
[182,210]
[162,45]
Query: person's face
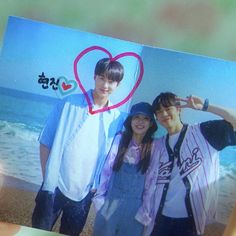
[140,124]
[168,117]
[103,86]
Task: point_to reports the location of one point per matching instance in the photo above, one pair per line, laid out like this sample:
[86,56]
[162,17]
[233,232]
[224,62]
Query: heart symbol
[117,57]
[66,86]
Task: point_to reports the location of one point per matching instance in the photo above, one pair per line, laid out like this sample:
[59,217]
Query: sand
[17,203]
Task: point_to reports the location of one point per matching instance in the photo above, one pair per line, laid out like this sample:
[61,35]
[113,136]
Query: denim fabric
[43,211]
[49,206]
[123,199]
[168,226]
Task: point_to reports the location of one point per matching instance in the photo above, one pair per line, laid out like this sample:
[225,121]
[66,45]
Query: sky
[185,74]
[32,47]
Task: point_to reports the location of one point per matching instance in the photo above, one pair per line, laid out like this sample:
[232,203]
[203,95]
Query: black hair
[166,99]
[146,146]
[113,70]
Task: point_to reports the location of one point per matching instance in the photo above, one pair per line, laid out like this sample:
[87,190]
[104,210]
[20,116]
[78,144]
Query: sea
[22,117]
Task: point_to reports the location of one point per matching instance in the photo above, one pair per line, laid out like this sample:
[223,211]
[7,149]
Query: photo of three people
[165,136]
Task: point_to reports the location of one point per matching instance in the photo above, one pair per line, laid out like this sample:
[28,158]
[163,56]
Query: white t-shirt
[80,159]
[175,199]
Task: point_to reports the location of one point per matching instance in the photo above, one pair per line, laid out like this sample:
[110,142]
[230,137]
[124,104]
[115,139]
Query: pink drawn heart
[117,57]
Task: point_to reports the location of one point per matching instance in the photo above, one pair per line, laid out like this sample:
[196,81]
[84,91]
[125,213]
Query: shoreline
[13,182]
[17,203]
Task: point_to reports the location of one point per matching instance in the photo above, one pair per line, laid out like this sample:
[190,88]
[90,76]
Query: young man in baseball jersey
[181,189]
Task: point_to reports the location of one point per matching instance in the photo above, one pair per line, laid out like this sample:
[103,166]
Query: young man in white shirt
[73,147]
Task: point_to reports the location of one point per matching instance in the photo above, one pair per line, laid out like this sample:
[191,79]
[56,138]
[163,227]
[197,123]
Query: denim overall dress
[123,199]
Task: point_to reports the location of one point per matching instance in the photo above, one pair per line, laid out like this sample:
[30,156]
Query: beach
[17,203]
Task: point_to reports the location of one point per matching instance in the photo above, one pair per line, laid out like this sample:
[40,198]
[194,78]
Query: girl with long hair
[119,194]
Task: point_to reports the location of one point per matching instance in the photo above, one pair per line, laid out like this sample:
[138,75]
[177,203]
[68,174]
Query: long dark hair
[146,147]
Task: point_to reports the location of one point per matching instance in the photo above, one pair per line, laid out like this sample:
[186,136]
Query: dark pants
[49,206]
[167,226]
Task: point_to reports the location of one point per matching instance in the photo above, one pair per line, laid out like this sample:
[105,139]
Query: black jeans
[49,206]
[167,226]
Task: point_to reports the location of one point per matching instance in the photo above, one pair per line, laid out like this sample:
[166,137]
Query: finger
[181,99]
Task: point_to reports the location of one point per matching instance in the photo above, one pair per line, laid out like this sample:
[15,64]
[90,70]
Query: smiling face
[104,87]
[168,117]
[140,125]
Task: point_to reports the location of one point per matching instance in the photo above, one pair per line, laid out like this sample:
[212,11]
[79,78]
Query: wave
[227,192]
[18,130]
[228,171]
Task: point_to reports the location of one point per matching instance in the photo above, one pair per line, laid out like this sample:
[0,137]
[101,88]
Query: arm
[106,173]
[197,104]
[44,153]
[47,135]
[227,114]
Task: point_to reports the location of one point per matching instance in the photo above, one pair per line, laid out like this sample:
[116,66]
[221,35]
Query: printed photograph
[65,94]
